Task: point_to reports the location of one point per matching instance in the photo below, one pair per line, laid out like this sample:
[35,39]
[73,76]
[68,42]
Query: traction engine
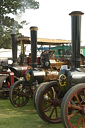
[64,99]
[22,90]
[11,73]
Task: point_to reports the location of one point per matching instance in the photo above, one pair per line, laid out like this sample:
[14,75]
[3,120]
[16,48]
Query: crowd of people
[48,54]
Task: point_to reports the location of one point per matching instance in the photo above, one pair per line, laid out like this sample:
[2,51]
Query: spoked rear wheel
[18,94]
[48,102]
[73,107]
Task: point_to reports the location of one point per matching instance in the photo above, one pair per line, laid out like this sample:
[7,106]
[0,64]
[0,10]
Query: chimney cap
[76,13]
[34,28]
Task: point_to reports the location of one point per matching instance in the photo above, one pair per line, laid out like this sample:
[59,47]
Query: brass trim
[34,28]
[76,13]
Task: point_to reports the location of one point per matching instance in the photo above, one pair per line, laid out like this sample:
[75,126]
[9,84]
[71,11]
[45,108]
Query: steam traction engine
[22,90]
[11,73]
[70,85]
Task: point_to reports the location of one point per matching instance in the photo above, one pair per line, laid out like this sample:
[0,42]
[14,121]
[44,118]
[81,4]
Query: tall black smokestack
[76,37]
[14,48]
[33,32]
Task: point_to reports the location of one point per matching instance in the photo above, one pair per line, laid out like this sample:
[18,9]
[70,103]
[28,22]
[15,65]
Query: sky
[53,20]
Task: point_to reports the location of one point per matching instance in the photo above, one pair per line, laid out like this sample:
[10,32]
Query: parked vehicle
[66,102]
[46,70]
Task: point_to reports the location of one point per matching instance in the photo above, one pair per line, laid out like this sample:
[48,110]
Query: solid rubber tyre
[36,92]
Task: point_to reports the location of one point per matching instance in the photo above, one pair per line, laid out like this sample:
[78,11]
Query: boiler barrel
[40,75]
[78,77]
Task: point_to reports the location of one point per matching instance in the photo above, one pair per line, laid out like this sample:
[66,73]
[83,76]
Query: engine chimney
[14,48]
[76,37]
[33,32]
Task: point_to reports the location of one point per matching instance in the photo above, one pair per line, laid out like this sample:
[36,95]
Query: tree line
[7,23]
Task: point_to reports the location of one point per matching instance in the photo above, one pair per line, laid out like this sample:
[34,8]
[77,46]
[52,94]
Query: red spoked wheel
[48,102]
[73,107]
[19,94]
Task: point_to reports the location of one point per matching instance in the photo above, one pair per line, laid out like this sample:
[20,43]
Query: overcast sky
[53,20]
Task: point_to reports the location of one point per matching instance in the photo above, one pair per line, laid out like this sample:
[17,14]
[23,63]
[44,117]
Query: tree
[6,22]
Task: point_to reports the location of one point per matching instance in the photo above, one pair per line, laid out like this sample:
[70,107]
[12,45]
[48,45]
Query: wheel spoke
[74,106]
[50,95]
[22,99]
[47,107]
[78,99]
[73,114]
[51,112]
[16,98]
[76,126]
[14,95]
[56,112]
[47,100]
[83,122]
[19,100]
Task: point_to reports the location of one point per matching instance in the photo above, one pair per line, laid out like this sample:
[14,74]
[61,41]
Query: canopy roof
[42,41]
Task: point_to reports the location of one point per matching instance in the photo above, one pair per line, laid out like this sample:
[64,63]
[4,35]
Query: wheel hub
[55,102]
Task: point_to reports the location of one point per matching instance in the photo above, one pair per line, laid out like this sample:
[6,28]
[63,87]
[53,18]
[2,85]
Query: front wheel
[48,102]
[18,94]
[73,107]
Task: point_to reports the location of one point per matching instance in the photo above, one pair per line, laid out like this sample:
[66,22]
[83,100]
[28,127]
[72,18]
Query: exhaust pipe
[76,37]
[14,48]
[33,32]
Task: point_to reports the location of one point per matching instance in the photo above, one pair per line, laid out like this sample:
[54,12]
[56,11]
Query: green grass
[23,117]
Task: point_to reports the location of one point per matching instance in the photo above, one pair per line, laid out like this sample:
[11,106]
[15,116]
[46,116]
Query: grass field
[23,117]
